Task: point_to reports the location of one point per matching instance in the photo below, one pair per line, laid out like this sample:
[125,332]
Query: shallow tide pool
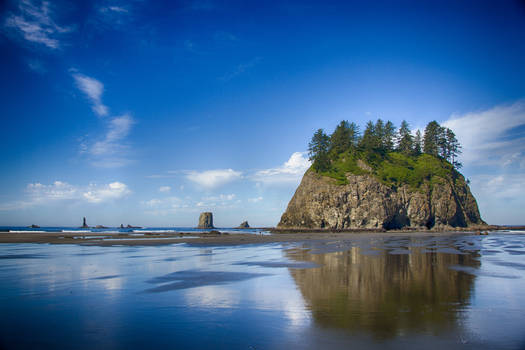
[459,291]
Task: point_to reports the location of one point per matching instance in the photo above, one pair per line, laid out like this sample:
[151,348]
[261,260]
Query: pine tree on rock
[389,136]
[406,141]
[341,138]
[318,150]
[417,143]
[432,138]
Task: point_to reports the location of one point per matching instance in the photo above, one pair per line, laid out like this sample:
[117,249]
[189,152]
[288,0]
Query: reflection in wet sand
[386,294]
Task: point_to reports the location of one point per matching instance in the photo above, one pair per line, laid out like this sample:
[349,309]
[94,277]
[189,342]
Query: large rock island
[319,202]
[369,189]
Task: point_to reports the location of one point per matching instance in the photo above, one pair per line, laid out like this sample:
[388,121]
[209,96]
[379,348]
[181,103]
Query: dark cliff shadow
[386,293]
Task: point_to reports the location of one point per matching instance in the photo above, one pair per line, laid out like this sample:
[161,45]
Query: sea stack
[206,220]
[364,202]
[244,224]
[84,225]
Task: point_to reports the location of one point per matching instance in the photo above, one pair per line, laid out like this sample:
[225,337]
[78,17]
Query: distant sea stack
[244,224]
[320,202]
[84,225]
[206,220]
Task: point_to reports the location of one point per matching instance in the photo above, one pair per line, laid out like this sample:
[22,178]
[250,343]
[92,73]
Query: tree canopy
[379,139]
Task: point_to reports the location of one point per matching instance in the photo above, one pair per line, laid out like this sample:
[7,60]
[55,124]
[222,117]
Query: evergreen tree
[417,143]
[388,136]
[379,134]
[341,138]
[318,150]
[433,138]
[453,148]
[406,141]
[369,140]
[354,134]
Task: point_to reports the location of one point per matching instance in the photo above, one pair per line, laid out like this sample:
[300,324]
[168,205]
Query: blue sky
[148,113]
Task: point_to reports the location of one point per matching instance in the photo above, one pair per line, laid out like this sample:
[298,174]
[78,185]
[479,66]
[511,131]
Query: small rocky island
[244,224]
[369,182]
[206,221]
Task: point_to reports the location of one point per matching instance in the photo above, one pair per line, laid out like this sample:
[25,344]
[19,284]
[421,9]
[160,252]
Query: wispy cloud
[213,178]
[93,90]
[289,173]
[40,194]
[492,137]
[164,188]
[241,68]
[494,157]
[114,15]
[172,205]
[112,151]
[34,22]
[36,66]
[118,129]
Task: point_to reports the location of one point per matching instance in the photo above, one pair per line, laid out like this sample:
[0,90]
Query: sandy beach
[148,239]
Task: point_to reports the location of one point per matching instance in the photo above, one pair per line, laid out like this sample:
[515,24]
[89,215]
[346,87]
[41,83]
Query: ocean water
[64,229]
[432,292]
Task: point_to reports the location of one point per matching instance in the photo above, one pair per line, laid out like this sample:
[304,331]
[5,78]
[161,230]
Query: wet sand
[114,239]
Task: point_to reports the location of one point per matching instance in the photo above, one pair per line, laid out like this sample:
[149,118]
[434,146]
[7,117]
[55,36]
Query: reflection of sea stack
[244,224]
[84,225]
[205,220]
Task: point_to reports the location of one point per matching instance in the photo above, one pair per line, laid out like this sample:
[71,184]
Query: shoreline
[191,238]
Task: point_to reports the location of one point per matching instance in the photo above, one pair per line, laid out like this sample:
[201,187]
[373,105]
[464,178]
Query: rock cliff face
[320,203]
[205,220]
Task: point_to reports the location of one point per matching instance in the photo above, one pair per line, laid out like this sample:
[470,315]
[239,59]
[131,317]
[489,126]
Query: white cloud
[493,143]
[500,197]
[35,23]
[56,191]
[489,137]
[93,90]
[255,200]
[221,197]
[164,188]
[290,172]
[112,150]
[213,178]
[40,194]
[98,194]
[118,129]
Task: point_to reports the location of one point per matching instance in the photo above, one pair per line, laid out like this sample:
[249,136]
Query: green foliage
[406,141]
[432,138]
[342,152]
[393,169]
[318,150]
[344,137]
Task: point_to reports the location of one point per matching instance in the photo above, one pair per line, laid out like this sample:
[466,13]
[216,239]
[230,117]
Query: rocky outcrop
[84,225]
[320,203]
[244,224]
[206,220]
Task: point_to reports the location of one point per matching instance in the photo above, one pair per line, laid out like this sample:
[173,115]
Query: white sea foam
[154,231]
